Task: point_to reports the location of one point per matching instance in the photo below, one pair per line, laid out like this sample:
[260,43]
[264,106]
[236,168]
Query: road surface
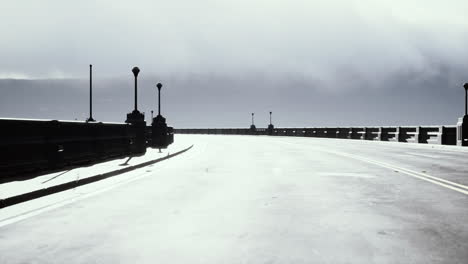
[259,199]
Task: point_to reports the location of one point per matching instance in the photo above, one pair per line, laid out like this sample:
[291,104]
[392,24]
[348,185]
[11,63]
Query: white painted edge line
[426,177]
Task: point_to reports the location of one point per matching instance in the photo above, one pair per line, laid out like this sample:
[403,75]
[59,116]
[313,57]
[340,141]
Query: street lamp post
[270,126]
[252,127]
[462,125]
[151,114]
[160,134]
[90,119]
[466,98]
[137,120]
[159,86]
[135,71]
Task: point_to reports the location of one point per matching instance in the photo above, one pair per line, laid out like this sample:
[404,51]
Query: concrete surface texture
[258,199]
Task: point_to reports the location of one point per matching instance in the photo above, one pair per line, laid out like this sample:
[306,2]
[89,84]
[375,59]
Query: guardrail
[442,135]
[32,147]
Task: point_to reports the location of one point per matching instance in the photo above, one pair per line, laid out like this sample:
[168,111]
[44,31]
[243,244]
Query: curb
[73,184]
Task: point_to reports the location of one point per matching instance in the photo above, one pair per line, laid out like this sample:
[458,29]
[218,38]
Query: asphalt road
[247,199]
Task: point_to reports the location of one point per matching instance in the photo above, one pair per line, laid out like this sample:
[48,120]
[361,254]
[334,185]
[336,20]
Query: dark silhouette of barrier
[29,148]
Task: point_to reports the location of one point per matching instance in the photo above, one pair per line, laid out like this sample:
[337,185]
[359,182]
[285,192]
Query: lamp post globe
[135,71]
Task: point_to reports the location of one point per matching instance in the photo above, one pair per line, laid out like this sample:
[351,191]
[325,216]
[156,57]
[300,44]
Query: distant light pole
[159,86]
[252,127]
[90,119]
[270,117]
[466,98]
[135,71]
[151,114]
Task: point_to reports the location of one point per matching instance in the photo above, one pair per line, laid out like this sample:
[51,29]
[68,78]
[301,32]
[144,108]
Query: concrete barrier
[30,147]
[445,135]
[372,133]
[389,133]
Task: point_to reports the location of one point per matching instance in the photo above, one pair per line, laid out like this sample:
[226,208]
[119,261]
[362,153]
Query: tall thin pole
[90,119]
[270,118]
[252,118]
[90,91]
[466,98]
[159,86]
[135,71]
[159,102]
[136,93]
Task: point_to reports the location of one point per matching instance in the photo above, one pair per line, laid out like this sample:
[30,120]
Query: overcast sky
[286,56]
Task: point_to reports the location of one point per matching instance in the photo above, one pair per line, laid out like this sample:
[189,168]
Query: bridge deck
[247,199]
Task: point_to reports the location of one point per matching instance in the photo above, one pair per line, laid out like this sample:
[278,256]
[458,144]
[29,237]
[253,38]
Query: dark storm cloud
[360,59]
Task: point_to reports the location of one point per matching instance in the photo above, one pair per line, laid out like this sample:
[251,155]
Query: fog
[329,62]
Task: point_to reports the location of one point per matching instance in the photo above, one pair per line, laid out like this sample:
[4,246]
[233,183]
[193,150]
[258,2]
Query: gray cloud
[262,54]
[54,38]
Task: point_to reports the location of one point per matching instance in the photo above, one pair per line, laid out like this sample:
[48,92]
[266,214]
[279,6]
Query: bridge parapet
[30,147]
[442,135]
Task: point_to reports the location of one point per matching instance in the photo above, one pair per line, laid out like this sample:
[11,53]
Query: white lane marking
[423,155]
[347,174]
[436,180]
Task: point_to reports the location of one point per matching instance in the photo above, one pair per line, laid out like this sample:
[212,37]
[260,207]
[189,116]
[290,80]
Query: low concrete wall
[442,135]
[31,147]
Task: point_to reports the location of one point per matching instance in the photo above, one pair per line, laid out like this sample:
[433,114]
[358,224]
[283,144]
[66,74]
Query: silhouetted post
[466,98]
[252,127]
[159,85]
[135,71]
[161,135]
[462,125]
[151,114]
[137,120]
[90,119]
[270,126]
